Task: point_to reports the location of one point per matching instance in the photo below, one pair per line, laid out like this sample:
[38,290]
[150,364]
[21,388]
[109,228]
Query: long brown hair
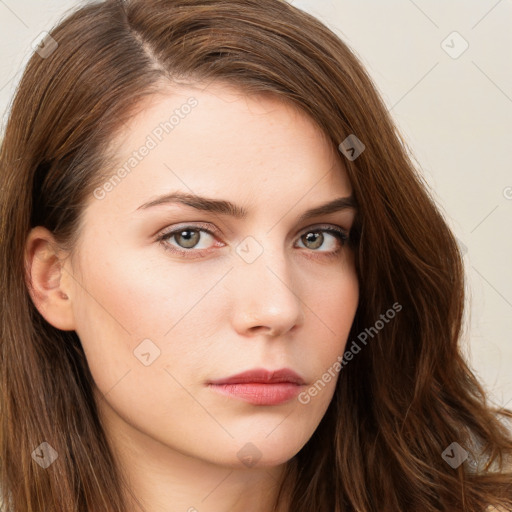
[398,406]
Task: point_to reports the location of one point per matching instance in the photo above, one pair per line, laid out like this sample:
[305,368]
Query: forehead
[220,141]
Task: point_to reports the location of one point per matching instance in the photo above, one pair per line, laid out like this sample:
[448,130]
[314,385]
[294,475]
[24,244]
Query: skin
[210,316]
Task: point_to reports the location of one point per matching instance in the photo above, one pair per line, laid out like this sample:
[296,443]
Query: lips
[261,375]
[260,386]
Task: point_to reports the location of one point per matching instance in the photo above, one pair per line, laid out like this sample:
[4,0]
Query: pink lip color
[260,386]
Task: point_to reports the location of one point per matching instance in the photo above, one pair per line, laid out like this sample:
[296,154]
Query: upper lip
[262,375]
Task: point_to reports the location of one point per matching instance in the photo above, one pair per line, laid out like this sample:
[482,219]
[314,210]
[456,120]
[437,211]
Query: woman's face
[160,320]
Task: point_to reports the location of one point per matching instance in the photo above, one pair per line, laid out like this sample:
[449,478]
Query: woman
[225,285]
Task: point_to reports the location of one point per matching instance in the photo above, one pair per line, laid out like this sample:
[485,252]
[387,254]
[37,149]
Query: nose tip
[274,327]
[266,301]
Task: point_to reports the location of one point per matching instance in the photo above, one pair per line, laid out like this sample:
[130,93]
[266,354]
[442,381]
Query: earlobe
[47,280]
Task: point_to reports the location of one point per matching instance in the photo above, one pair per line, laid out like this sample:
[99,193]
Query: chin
[264,452]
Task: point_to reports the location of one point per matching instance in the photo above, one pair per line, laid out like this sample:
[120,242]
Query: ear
[48,281]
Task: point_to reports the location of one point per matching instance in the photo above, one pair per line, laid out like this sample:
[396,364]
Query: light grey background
[455,112]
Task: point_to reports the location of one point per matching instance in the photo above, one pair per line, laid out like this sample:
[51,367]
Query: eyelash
[339,233]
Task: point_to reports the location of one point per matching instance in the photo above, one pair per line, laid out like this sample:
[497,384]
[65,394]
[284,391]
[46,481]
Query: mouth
[260,386]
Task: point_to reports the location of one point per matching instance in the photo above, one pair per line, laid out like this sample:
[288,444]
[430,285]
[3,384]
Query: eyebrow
[224,207]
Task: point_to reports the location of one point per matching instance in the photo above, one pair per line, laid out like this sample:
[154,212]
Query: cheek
[137,329]
[122,302]
[335,304]
[332,312]
[142,295]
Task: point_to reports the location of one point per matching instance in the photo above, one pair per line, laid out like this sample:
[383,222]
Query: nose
[265,296]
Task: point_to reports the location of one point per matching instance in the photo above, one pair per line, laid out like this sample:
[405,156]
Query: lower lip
[258,393]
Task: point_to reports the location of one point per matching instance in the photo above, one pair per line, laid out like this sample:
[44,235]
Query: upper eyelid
[170,232]
[206,227]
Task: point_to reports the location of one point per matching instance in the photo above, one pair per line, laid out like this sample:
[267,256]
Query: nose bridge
[266,288]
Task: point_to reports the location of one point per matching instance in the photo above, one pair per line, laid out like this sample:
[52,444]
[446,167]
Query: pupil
[314,237]
[190,238]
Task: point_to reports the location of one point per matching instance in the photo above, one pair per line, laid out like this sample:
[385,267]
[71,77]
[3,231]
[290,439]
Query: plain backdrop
[444,70]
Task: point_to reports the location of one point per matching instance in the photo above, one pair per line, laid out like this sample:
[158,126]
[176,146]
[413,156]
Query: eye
[187,238]
[315,238]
